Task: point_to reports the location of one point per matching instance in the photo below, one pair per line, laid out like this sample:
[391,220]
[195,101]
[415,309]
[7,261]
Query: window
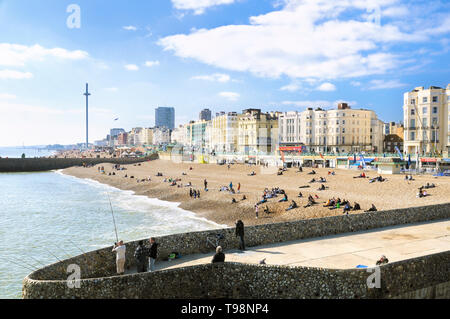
[425,100]
[425,122]
[343,130]
[412,123]
[343,121]
[435,121]
[413,112]
[435,110]
[435,99]
[412,136]
[413,101]
[424,110]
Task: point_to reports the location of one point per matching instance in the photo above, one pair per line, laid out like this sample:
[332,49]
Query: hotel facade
[342,130]
[427,121]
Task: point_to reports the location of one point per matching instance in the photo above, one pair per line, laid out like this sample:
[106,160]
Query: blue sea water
[47,215]
[16,152]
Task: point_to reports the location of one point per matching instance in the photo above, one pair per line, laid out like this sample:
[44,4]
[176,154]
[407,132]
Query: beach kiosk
[389,165]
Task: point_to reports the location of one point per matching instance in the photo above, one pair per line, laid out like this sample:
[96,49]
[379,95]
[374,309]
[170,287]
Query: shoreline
[216,206]
[154,200]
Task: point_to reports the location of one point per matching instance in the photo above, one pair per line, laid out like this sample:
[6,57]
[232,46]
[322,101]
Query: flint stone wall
[13,165]
[417,274]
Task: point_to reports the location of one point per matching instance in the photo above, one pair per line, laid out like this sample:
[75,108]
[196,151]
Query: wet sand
[214,205]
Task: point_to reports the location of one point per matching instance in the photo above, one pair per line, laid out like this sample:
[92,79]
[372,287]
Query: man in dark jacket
[240,234]
[153,254]
[140,256]
[219,257]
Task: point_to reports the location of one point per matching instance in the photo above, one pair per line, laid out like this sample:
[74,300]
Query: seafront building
[178,135]
[161,135]
[427,122]
[224,132]
[165,117]
[257,132]
[342,130]
[196,135]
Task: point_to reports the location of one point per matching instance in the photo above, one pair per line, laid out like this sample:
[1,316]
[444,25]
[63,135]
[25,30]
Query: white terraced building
[342,130]
[427,121]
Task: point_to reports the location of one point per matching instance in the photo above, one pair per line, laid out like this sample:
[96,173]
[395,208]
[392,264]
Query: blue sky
[222,54]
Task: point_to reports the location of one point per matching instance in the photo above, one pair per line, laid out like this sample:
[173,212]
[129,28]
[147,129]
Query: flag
[399,153]
[116,119]
[321,155]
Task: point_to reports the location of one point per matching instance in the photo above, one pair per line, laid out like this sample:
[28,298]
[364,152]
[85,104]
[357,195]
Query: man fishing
[120,250]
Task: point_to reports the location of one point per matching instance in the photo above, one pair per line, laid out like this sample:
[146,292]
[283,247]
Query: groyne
[15,165]
[422,277]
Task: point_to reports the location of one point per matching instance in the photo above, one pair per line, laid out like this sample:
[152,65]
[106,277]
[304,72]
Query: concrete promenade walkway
[344,251]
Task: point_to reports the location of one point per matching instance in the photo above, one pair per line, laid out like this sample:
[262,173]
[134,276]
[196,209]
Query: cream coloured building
[427,121]
[223,132]
[257,132]
[342,130]
[178,135]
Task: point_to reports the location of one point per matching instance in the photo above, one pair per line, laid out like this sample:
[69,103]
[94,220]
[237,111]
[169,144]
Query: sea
[50,216]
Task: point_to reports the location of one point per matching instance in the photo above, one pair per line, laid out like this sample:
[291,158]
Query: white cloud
[151,63]
[199,6]
[385,84]
[326,87]
[231,96]
[7,96]
[130,28]
[291,87]
[14,75]
[319,39]
[216,77]
[19,55]
[112,89]
[132,67]
[355,83]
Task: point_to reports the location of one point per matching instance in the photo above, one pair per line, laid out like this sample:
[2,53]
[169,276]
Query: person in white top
[120,250]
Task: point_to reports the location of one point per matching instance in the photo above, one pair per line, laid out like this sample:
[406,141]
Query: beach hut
[389,165]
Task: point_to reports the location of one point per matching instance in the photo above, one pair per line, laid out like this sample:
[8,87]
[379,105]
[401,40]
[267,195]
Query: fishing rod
[20,265]
[114,220]
[37,261]
[23,262]
[67,254]
[52,254]
[86,255]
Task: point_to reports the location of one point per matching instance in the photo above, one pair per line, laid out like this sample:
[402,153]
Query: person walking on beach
[206,184]
[256,210]
[219,257]
[120,249]
[140,256]
[240,234]
[239,188]
[153,254]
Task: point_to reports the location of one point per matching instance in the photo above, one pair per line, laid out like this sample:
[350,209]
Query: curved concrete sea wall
[423,276]
[12,165]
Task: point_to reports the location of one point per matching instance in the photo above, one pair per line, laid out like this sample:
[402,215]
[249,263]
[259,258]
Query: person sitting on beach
[362,175]
[300,195]
[267,211]
[347,208]
[184,174]
[280,173]
[173,183]
[313,180]
[313,172]
[244,197]
[262,201]
[356,207]
[329,203]
[252,174]
[284,199]
[300,169]
[311,202]
[293,206]
[322,180]
[371,209]
[198,193]
[322,188]
[233,201]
